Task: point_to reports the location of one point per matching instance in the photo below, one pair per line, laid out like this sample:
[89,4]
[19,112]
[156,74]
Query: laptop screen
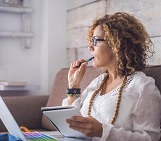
[9,121]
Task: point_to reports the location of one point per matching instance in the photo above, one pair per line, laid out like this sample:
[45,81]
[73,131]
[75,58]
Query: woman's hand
[86,125]
[75,73]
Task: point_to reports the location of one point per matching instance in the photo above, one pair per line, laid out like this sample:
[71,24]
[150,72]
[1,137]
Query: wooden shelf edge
[4,8]
[16,34]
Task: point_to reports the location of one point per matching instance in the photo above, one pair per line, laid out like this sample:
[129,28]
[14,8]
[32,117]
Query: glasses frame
[94,41]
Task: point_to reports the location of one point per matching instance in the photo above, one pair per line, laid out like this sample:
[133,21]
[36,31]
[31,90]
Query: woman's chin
[94,65]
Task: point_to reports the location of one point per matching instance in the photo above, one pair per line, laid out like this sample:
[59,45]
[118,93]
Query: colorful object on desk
[8,137]
[37,136]
[24,129]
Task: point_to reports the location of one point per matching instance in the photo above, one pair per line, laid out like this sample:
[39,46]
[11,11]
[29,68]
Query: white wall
[55,55]
[47,55]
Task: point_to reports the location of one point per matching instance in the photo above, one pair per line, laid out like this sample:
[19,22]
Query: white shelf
[19,88]
[25,10]
[16,34]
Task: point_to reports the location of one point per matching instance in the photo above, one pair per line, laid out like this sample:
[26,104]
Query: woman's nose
[91,48]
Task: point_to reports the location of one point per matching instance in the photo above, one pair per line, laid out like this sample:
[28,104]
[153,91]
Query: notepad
[58,115]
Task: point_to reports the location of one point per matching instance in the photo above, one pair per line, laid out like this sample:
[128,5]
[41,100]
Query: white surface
[60,137]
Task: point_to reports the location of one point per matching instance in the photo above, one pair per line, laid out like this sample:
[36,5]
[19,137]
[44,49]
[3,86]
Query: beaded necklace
[118,98]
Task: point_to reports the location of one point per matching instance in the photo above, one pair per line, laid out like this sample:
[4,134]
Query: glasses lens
[94,40]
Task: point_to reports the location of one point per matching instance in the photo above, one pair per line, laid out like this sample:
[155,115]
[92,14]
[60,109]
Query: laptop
[13,128]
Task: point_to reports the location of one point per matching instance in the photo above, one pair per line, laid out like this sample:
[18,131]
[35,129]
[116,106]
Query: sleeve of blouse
[146,117]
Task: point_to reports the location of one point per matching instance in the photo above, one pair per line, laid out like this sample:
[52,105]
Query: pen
[85,61]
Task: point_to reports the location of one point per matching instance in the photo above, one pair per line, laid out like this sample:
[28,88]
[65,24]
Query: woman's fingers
[79,126]
[75,123]
[76,73]
[77,63]
[79,122]
[87,125]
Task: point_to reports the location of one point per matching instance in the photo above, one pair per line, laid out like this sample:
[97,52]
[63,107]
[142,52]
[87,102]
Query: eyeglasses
[96,40]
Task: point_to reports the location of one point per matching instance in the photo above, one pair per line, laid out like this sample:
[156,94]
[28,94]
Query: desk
[60,137]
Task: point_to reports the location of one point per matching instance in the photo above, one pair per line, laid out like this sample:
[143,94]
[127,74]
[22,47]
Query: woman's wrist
[71,99]
[73,86]
[73,93]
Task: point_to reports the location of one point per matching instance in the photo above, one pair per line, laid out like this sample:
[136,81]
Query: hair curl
[129,40]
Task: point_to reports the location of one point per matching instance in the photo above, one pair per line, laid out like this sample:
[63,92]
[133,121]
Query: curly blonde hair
[128,39]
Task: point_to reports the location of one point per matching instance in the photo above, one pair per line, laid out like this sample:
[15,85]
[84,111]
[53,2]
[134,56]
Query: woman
[122,104]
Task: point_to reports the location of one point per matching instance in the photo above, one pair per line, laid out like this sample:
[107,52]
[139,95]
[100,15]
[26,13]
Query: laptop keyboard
[38,136]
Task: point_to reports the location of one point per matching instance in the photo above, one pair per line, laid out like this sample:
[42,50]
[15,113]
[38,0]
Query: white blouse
[139,113]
